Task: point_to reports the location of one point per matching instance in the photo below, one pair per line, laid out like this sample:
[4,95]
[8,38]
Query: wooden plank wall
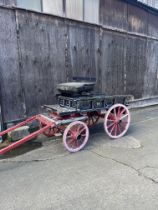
[8,2]
[38,51]
[12,98]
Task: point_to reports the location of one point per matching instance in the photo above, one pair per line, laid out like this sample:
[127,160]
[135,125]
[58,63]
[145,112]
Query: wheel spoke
[119,128]
[71,141]
[110,125]
[123,117]
[112,129]
[79,127]
[115,113]
[83,129]
[72,133]
[122,112]
[118,113]
[69,137]
[74,144]
[77,143]
[109,120]
[75,128]
[111,117]
[115,129]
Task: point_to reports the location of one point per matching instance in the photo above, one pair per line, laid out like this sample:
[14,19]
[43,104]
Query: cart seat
[75,87]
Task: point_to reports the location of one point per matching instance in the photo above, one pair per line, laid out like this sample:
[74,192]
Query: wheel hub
[117,120]
[79,137]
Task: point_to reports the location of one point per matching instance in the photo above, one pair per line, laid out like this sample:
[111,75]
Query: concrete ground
[107,174]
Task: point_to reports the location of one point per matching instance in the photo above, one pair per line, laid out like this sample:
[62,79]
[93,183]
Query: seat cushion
[75,87]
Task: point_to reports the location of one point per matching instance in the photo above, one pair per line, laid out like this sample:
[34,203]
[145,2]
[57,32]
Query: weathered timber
[39,51]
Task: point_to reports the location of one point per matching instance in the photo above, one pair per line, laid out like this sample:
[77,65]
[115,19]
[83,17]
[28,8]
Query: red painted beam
[25,139]
[18,126]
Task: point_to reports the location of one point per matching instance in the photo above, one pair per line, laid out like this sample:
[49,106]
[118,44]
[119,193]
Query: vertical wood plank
[11,91]
[42,47]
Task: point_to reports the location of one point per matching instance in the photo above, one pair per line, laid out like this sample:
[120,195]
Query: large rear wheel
[117,121]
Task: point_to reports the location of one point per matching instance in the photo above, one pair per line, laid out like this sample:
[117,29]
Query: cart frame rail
[46,122]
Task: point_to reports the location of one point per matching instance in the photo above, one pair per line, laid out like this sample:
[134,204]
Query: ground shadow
[27,147]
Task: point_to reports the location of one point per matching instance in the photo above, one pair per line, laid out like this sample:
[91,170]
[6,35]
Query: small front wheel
[75,136]
[117,121]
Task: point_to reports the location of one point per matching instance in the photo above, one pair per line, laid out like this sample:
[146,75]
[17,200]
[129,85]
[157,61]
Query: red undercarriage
[48,127]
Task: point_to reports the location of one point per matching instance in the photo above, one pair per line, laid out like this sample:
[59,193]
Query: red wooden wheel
[117,121]
[75,136]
